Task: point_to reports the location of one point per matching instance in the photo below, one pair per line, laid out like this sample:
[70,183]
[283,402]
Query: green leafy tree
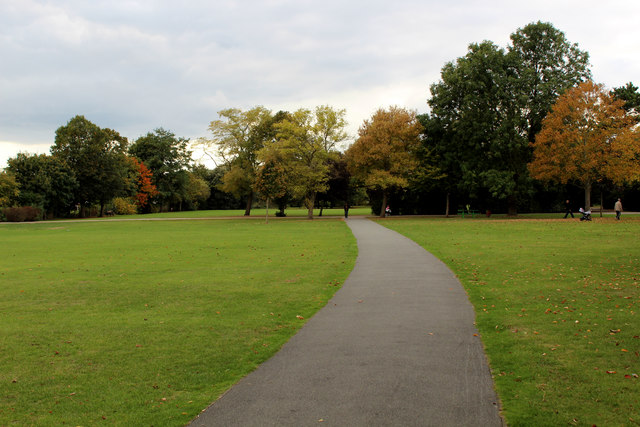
[307,140]
[97,158]
[45,182]
[218,199]
[385,154]
[168,158]
[546,64]
[586,138]
[630,96]
[489,105]
[339,185]
[482,135]
[9,189]
[271,181]
[238,136]
[198,191]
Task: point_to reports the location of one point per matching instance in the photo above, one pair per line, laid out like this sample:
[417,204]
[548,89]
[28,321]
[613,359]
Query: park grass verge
[557,306]
[256,213]
[147,323]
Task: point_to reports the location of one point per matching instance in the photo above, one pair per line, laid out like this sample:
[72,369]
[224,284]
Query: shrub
[124,206]
[21,214]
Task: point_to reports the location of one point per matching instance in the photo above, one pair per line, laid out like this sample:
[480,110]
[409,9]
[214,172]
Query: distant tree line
[512,129]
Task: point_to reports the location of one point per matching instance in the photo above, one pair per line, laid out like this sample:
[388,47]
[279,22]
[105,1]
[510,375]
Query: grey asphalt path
[396,346]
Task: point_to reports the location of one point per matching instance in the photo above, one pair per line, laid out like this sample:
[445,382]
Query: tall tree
[587,137]
[271,181]
[238,136]
[168,158]
[547,64]
[385,153]
[481,135]
[338,192]
[45,182]
[489,105]
[97,158]
[143,183]
[307,139]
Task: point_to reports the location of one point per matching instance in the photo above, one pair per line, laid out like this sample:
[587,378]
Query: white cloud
[11,149]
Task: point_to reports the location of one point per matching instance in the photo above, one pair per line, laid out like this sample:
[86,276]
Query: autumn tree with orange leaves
[145,187]
[385,153]
[587,137]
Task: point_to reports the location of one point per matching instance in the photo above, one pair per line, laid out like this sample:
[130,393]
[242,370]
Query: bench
[472,212]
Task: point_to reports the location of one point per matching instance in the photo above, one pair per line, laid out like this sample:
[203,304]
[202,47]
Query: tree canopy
[630,96]
[306,140]
[489,104]
[168,158]
[587,137]
[9,189]
[385,153]
[45,182]
[97,158]
[546,64]
[237,137]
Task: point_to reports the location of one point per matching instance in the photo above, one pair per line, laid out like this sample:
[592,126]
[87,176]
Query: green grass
[255,213]
[557,304]
[147,323]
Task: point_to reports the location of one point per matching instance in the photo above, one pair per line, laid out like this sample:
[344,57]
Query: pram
[586,215]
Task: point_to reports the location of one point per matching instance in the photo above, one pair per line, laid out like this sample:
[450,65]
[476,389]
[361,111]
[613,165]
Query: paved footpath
[396,346]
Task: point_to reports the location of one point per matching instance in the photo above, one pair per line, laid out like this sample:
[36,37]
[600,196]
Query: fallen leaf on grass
[611,372]
[300,317]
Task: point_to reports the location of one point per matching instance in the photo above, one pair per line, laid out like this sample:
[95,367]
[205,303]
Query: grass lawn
[557,303]
[255,213]
[146,323]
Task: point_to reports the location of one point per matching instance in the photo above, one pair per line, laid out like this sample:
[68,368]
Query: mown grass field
[146,323]
[255,213]
[557,304]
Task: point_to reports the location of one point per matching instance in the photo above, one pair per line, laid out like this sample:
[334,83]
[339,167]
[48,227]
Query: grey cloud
[137,65]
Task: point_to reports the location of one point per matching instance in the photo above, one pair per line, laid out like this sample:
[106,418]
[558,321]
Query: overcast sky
[134,66]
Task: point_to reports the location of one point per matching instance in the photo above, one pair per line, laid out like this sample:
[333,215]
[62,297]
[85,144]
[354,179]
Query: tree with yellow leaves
[587,137]
[385,153]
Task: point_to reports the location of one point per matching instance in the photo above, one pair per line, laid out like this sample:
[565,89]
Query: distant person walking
[346,210]
[567,209]
[387,211]
[618,208]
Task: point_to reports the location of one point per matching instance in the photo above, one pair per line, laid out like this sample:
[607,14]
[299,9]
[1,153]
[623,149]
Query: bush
[21,214]
[124,206]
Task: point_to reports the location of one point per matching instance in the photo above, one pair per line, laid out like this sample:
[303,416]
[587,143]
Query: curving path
[396,345]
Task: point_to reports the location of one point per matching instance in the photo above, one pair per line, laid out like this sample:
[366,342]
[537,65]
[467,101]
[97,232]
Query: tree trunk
[101,209]
[311,200]
[587,196]
[512,209]
[384,204]
[446,211]
[266,218]
[247,210]
[601,202]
